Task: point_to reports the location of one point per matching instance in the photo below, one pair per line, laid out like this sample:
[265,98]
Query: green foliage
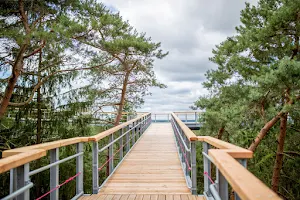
[68,69]
[257,77]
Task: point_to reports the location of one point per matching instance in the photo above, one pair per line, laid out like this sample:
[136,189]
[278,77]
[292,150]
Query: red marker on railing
[205,173]
[65,182]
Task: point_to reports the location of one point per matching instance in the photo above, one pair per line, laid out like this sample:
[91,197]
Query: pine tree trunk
[263,132]
[220,133]
[122,101]
[279,153]
[17,67]
[39,102]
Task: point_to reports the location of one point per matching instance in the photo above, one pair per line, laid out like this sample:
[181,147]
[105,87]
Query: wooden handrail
[114,129]
[16,157]
[188,133]
[231,149]
[243,182]
[44,146]
[20,159]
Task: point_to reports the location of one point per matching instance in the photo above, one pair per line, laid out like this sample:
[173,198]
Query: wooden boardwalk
[151,171]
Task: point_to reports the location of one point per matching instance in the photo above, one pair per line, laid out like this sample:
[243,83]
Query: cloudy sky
[189,30]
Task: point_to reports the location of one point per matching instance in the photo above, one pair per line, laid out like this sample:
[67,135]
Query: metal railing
[187,154]
[217,189]
[17,161]
[186,117]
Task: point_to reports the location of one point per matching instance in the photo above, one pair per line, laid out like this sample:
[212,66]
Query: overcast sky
[189,30]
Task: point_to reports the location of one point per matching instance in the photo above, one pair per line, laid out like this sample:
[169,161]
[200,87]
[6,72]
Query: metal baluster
[121,144]
[110,154]
[21,179]
[194,167]
[79,169]
[95,168]
[222,186]
[207,166]
[54,174]
[186,117]
[127,140]
[244,163]
[133,133]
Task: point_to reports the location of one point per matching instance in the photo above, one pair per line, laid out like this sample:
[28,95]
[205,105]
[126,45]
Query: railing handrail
[243,182]
[110,131]
[17,157]
[189,134]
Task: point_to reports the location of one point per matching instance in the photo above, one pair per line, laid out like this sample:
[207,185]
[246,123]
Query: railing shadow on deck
[17,161]
[230,162]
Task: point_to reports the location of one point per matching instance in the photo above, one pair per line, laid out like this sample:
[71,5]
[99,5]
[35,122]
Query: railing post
[110,154]
[194,168]
[121,144]
[79,169]
[222,186]
[207,166]
[244,163]
[95,168]
[186,117]
[133,133]
[22,179]
[54,174]
[127,139]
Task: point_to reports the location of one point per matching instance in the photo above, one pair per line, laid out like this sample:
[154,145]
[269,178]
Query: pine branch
[48,77]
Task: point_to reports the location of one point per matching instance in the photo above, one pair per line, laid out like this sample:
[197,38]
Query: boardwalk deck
[142,197]
[151,168]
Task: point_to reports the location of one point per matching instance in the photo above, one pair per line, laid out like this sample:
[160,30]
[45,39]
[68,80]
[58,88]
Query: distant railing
[17,161]
[185,116]
[230,162]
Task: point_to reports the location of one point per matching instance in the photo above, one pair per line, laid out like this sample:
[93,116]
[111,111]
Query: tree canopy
[254,93]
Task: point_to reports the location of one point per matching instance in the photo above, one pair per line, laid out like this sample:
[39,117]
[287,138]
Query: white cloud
[189,30]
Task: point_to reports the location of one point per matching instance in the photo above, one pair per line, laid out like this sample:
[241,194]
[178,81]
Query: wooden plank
[20,159]
[99,197]
[109,197]
[146,197]
[245,184]
[161,197]
[132,197]
[184,197]
[169,197]
[116,197]
[176,197]
[124,197]
[139,197]
[154,197]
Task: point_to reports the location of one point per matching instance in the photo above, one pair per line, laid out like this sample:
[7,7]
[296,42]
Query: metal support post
[194,168]
[121,144]
[110,154]
[207,166]
[95,168]
[127,140]
[22,179]
[133,133]
[79,169]
[54,174]
[244,163]
[222,186]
